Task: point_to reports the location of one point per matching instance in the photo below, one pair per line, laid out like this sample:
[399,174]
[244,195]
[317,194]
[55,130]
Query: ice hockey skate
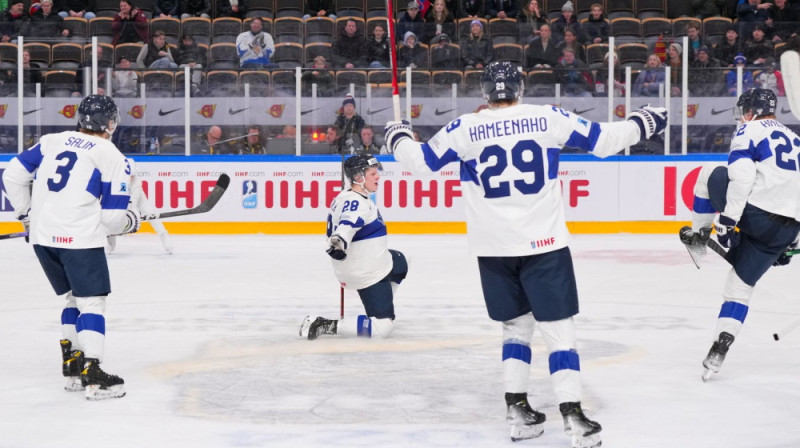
[695,242]
[526,423]
[100,385]
[313,327]
[716,355]
[72,361]
[585,433]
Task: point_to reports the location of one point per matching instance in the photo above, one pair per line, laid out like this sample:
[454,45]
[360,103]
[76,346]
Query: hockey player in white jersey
[757,196]
[80,194]
[508,156]
[357,245]
[141,203]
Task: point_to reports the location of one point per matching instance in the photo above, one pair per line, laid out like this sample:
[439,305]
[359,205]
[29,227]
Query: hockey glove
[651,120]
[396,131]
[26,223]
[727,235]
[337,247]
[133,223]
[784,259]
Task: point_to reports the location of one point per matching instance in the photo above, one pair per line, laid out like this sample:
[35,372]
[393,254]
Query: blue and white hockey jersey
[509,171]
[80,190]
[764,170]
[358,222]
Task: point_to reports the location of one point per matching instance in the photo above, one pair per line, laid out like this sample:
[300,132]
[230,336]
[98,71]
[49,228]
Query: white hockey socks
[370,327]
[734,309]
[517,334]
[564,361]
[91,326]
[69,317]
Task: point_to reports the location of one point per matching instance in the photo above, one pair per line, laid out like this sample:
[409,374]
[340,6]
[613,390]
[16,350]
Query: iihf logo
[249,194]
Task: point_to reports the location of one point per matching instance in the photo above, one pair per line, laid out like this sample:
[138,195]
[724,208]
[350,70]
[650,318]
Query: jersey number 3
[534,164]
[62,171]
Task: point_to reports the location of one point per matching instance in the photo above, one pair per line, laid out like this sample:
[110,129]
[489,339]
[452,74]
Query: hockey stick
[393,59]
[786,330]
[205,206]
[790,68]
[8,236]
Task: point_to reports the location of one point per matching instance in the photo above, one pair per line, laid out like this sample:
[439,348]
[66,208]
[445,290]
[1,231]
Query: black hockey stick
[13,235]
[716,247]
[205,206]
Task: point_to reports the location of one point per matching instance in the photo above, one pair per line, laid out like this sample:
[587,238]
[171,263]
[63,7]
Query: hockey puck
[775,335]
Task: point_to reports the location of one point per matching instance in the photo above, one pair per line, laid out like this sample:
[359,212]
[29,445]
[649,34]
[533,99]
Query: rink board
[291,195]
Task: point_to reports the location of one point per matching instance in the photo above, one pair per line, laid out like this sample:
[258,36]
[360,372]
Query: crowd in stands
[226,43]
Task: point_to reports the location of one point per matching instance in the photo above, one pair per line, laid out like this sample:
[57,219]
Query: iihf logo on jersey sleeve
[249,194]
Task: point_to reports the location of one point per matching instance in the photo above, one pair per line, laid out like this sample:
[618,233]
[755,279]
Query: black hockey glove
[337,247]
[784,259]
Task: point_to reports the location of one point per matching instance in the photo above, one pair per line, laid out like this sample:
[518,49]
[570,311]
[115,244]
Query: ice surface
[206,340]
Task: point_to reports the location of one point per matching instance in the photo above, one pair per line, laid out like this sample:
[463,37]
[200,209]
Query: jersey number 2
[62,171]
[535,165]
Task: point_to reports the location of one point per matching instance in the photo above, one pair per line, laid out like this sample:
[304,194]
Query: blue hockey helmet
[357,165]
[502,80]
[759,101]
[96,112]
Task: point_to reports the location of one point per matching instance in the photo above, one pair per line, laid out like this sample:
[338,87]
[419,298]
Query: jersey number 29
[535,165]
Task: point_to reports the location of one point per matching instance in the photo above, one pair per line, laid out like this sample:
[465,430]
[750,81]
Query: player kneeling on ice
[140,202]
[508,156]
[80,194]
[757,196]
[361,260]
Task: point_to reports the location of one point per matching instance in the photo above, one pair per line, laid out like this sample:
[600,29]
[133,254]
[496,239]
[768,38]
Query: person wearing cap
[191,55]
[350,123]
[350,49]
[412,55]
[443,55]
[378,47]
[747,77]
[411,20]
[675,61]
[758,50]
[476,47]
[705,75]
[542,52]
[501,9]
[12,20]
[471,9]
[729,47]
[45,23]
[439,20]
[567,19]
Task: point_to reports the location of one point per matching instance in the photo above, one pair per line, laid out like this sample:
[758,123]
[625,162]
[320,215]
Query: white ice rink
[206,340]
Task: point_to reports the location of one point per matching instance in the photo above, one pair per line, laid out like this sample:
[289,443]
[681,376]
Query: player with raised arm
[508,156]
[361,260]
[80,194]
[757,196]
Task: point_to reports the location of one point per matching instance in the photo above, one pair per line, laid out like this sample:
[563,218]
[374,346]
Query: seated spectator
[85,73]
[130,24]
[751,12]
[350,49]
[758,50]
[501,9]
[771,78]
[695,41]
[476,48]
[195,8]
[211,145]
[438,21]
[156,54]
[232,8]
[319,8]
[702,9]
[8,84]
[125,81]
[675,62]
[333,137]
[443,55]
[166,8]
[542,52]
[12,21]
[571,41]
[255,46]
[192,56]
[74,8]
[574,75]
[45,23]
[411,20]
[705,75]
[253,143]
[529,19]
[471,9]
[782,22]
[747,77]
[412,55]
[378,48]
[567,19]
[350,124]
[596,29]
[30,77]
[319,74]
[288,131]
[650,79]
[729,47]
[368,145]
[601,79]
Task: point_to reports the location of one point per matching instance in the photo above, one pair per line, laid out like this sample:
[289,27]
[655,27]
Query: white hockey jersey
[80,190]
[763,167]
[509,171]
[357,220]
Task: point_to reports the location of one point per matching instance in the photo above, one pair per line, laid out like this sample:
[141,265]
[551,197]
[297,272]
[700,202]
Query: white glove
[651,120]
[133,223]
[337,247]
[396,131]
